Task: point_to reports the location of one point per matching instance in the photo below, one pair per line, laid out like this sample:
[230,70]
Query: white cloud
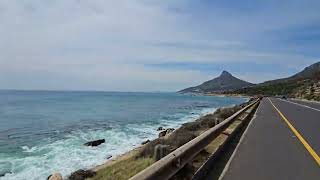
[104,44]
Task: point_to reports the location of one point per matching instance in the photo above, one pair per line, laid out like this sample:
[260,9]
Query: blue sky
[152,45]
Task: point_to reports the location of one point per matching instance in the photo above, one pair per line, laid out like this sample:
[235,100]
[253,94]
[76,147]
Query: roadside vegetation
[123,169]
[304,89]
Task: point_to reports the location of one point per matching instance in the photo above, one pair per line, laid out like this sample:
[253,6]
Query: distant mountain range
[225,82]
[305,84]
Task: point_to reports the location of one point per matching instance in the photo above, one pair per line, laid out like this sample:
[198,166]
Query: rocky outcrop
[145,142]
[309,91]
[95,143]
[166,132]
[55,176]
[160,128]
[82,174]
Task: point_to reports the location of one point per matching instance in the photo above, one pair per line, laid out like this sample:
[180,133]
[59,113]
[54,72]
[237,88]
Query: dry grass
[233,126]
[213,146]
[123,169]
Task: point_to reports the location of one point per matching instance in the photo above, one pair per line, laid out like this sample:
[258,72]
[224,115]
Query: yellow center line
[302,140]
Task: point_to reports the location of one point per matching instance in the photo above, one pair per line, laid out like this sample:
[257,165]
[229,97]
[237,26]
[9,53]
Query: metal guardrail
[173,162]
[207,167]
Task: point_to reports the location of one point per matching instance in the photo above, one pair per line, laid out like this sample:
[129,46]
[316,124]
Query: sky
[153,45]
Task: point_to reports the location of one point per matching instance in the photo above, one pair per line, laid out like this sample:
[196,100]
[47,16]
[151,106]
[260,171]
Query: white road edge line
[303,100]
[226,168]
[299,104]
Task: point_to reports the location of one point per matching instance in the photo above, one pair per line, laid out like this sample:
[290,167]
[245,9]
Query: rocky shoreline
[169,139]
[188,131]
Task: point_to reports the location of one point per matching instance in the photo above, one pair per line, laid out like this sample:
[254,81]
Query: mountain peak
[225,73]
[225,82]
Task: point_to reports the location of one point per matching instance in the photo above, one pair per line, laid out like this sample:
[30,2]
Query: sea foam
[69,154]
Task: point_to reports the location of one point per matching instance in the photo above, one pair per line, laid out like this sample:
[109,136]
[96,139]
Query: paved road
[315,105]
[271,151]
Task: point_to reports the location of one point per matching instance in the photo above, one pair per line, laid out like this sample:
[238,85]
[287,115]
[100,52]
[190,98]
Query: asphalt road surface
[281,143]
[314,105]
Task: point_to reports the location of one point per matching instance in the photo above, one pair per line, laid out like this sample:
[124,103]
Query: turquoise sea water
[43,131]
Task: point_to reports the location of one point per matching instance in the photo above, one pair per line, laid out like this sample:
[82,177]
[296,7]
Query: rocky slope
[305,85]
[308,73]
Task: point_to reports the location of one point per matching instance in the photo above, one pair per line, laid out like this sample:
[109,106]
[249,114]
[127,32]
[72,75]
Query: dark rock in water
[4,173]
[160,128]
[82,174]
[95,143]
[145,142]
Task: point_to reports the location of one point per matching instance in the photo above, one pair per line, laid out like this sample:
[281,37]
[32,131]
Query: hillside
[225,82]
[310,72]
[305,84]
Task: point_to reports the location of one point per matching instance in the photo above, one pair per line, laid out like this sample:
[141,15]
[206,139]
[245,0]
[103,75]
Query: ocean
[42,132]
